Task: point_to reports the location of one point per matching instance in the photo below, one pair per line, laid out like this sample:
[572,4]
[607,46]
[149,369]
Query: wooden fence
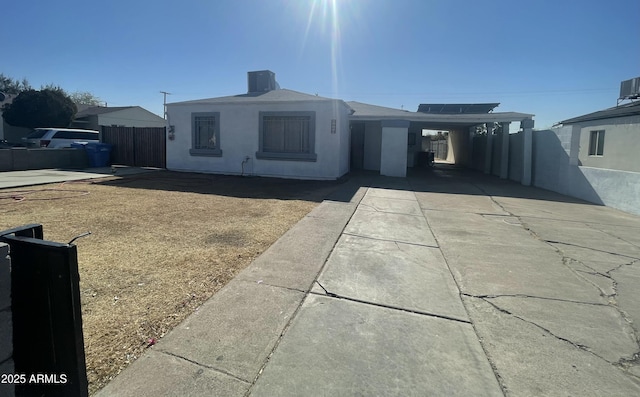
[138,147]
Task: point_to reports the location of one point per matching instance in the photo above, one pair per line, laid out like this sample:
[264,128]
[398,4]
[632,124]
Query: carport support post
[393,149]
[472,134]
[504,163]
[527,150]
[489,149]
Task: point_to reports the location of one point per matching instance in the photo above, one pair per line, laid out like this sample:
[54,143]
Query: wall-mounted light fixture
[172,132]
[333,126]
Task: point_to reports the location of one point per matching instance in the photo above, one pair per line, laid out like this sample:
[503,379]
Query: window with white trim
[205,129]
[287,136]
[596,143]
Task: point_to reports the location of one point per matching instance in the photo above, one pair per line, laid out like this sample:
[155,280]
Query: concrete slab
[600,329]
[400,275]
[464,228]
[296,258]
[462,203]
[337,347]
[532,362]
[157,374]
[581,235]
[627,287]
[391,193]
[235,330]
[381,204]
[386,226]
[12,179]
[494,255]
[594,260]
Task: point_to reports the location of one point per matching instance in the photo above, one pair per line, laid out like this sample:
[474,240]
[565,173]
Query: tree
[13,87]
[44,108]
[85,98]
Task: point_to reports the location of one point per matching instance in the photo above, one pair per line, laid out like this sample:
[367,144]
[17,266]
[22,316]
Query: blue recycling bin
[99,154]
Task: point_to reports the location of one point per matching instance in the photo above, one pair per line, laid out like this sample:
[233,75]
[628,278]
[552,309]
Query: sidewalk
[11,179]
[445,284]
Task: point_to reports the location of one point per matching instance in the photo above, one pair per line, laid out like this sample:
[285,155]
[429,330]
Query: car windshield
[37,134]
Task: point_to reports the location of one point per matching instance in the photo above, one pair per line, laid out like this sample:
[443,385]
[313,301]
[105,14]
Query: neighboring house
[609,138]
[593,157]
[94,117]
[282,133]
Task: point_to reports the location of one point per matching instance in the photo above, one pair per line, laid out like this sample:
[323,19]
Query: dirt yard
[162,243]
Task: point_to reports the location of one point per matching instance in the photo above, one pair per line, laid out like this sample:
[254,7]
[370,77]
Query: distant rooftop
[84,110]
[628,109]
[457,108]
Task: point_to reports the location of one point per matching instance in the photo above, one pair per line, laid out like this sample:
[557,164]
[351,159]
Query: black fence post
[48,345]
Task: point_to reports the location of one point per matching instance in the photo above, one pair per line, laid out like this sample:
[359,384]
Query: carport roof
[367,112]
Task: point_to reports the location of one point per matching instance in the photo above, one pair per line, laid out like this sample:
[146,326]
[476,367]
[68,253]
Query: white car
[59,137]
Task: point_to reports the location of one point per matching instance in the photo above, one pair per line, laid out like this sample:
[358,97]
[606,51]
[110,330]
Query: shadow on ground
[226,185]
[442,178]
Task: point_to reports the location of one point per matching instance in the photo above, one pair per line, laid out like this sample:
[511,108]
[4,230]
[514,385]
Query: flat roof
[364,112]
[457,108]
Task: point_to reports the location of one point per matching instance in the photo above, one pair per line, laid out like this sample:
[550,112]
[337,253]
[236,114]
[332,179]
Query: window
[596,143]
[287,136]
[205,134]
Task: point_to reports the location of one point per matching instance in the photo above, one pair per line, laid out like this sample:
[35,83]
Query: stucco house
[269,131]
[94,117]
[593,157]
[609,138]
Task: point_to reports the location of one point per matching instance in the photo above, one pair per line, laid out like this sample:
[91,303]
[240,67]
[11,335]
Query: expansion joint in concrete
[297,310]
[389,240]
[364,302]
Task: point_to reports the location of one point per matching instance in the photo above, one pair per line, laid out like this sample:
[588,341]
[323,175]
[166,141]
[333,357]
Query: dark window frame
[288,155]
[202,151]
[596,143]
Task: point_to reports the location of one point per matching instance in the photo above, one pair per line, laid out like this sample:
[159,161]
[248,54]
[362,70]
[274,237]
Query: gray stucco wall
[553,170]
[19,159]
[621,144]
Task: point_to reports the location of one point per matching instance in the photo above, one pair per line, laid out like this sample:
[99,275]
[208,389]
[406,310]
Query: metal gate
[48,346]
[138,147]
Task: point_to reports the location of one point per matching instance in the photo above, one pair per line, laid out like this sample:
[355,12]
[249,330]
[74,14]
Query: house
[593,157]
[610,138]
[269,131]
[94,117]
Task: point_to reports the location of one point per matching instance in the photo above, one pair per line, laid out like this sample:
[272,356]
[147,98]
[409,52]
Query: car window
[36,134]
[75,135]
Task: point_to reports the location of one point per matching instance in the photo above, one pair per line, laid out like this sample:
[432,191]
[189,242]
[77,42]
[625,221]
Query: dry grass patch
[162,243]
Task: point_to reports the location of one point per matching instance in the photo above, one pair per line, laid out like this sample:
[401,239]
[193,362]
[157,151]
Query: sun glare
[326,14]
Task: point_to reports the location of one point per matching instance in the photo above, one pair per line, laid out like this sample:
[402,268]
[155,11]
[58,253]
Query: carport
[388,140]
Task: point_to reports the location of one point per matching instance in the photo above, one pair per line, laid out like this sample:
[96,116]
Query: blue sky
[556,59]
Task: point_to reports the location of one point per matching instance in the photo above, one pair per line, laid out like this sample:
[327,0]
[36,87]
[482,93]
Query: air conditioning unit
[262,81]
[630,89]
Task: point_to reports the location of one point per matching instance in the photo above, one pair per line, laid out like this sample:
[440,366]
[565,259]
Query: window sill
[206,152]
[287,156]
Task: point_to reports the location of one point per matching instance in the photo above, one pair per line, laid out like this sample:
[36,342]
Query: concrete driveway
[446,283]
[11,179]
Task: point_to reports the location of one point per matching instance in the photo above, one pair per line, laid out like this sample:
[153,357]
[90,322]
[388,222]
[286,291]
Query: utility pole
[164,103]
